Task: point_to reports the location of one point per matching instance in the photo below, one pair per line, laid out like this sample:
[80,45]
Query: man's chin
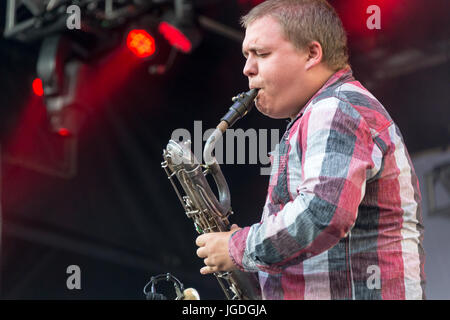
[269,114]
[262,109]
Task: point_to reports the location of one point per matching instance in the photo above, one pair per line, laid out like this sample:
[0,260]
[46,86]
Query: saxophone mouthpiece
[243,103]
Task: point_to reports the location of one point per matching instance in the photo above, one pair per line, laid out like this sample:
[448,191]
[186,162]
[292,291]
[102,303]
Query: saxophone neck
[243,104]
[211,143]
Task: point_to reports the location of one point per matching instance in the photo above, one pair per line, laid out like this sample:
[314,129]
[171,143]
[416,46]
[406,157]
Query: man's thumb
[234,227]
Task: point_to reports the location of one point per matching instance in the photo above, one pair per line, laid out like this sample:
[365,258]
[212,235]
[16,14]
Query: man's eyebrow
[252,48]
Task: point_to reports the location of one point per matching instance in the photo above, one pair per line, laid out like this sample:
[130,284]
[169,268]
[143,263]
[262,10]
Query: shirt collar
[338,78]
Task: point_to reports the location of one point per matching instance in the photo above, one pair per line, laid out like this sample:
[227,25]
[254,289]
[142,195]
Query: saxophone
[208,213]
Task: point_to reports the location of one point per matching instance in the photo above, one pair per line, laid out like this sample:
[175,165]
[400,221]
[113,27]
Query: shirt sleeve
[335,146]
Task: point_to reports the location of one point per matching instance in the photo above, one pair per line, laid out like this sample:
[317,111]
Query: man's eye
[262,54]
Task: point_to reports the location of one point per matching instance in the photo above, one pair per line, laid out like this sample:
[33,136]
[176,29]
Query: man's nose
[250,68]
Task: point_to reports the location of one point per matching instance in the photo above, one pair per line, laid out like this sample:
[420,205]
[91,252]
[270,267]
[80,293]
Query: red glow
[64,132]
[141,43]
[175,37]
[38,89]
[107,77]
[354,15]
[253,3]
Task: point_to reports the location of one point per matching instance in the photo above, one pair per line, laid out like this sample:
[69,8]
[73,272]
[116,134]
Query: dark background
[101,200]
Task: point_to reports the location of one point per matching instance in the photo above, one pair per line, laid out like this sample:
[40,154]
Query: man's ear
[314,54]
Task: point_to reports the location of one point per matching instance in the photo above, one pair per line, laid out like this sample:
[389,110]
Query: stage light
[63,132]
[38,89]
[175,37]
[179,28]
[58,75]
[68,123]
[141,43]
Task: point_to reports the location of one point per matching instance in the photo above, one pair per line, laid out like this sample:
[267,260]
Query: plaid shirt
[342,218]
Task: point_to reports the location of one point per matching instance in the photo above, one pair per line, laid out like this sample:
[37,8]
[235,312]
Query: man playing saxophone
[342,217]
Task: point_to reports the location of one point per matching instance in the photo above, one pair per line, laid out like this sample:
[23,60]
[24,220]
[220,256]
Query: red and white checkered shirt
[342,218]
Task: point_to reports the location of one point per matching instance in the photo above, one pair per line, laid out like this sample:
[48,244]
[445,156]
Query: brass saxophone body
[200,203]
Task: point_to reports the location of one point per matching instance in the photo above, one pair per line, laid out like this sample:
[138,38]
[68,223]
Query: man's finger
[201,252]
[208,270]
[201,240]
[207,262]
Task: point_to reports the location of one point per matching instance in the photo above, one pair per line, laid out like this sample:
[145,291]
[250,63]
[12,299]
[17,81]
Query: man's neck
[321,75]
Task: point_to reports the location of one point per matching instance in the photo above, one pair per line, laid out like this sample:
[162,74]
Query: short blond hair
[304,21]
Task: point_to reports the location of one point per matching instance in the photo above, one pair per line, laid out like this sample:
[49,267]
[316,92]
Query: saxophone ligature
[200,203]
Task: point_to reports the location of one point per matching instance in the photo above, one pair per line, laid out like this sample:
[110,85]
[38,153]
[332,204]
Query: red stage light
[64,132]
[141,43]
[38,89]
[175,37]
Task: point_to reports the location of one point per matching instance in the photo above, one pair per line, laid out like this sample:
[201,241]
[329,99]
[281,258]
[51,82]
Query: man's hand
[213,248]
